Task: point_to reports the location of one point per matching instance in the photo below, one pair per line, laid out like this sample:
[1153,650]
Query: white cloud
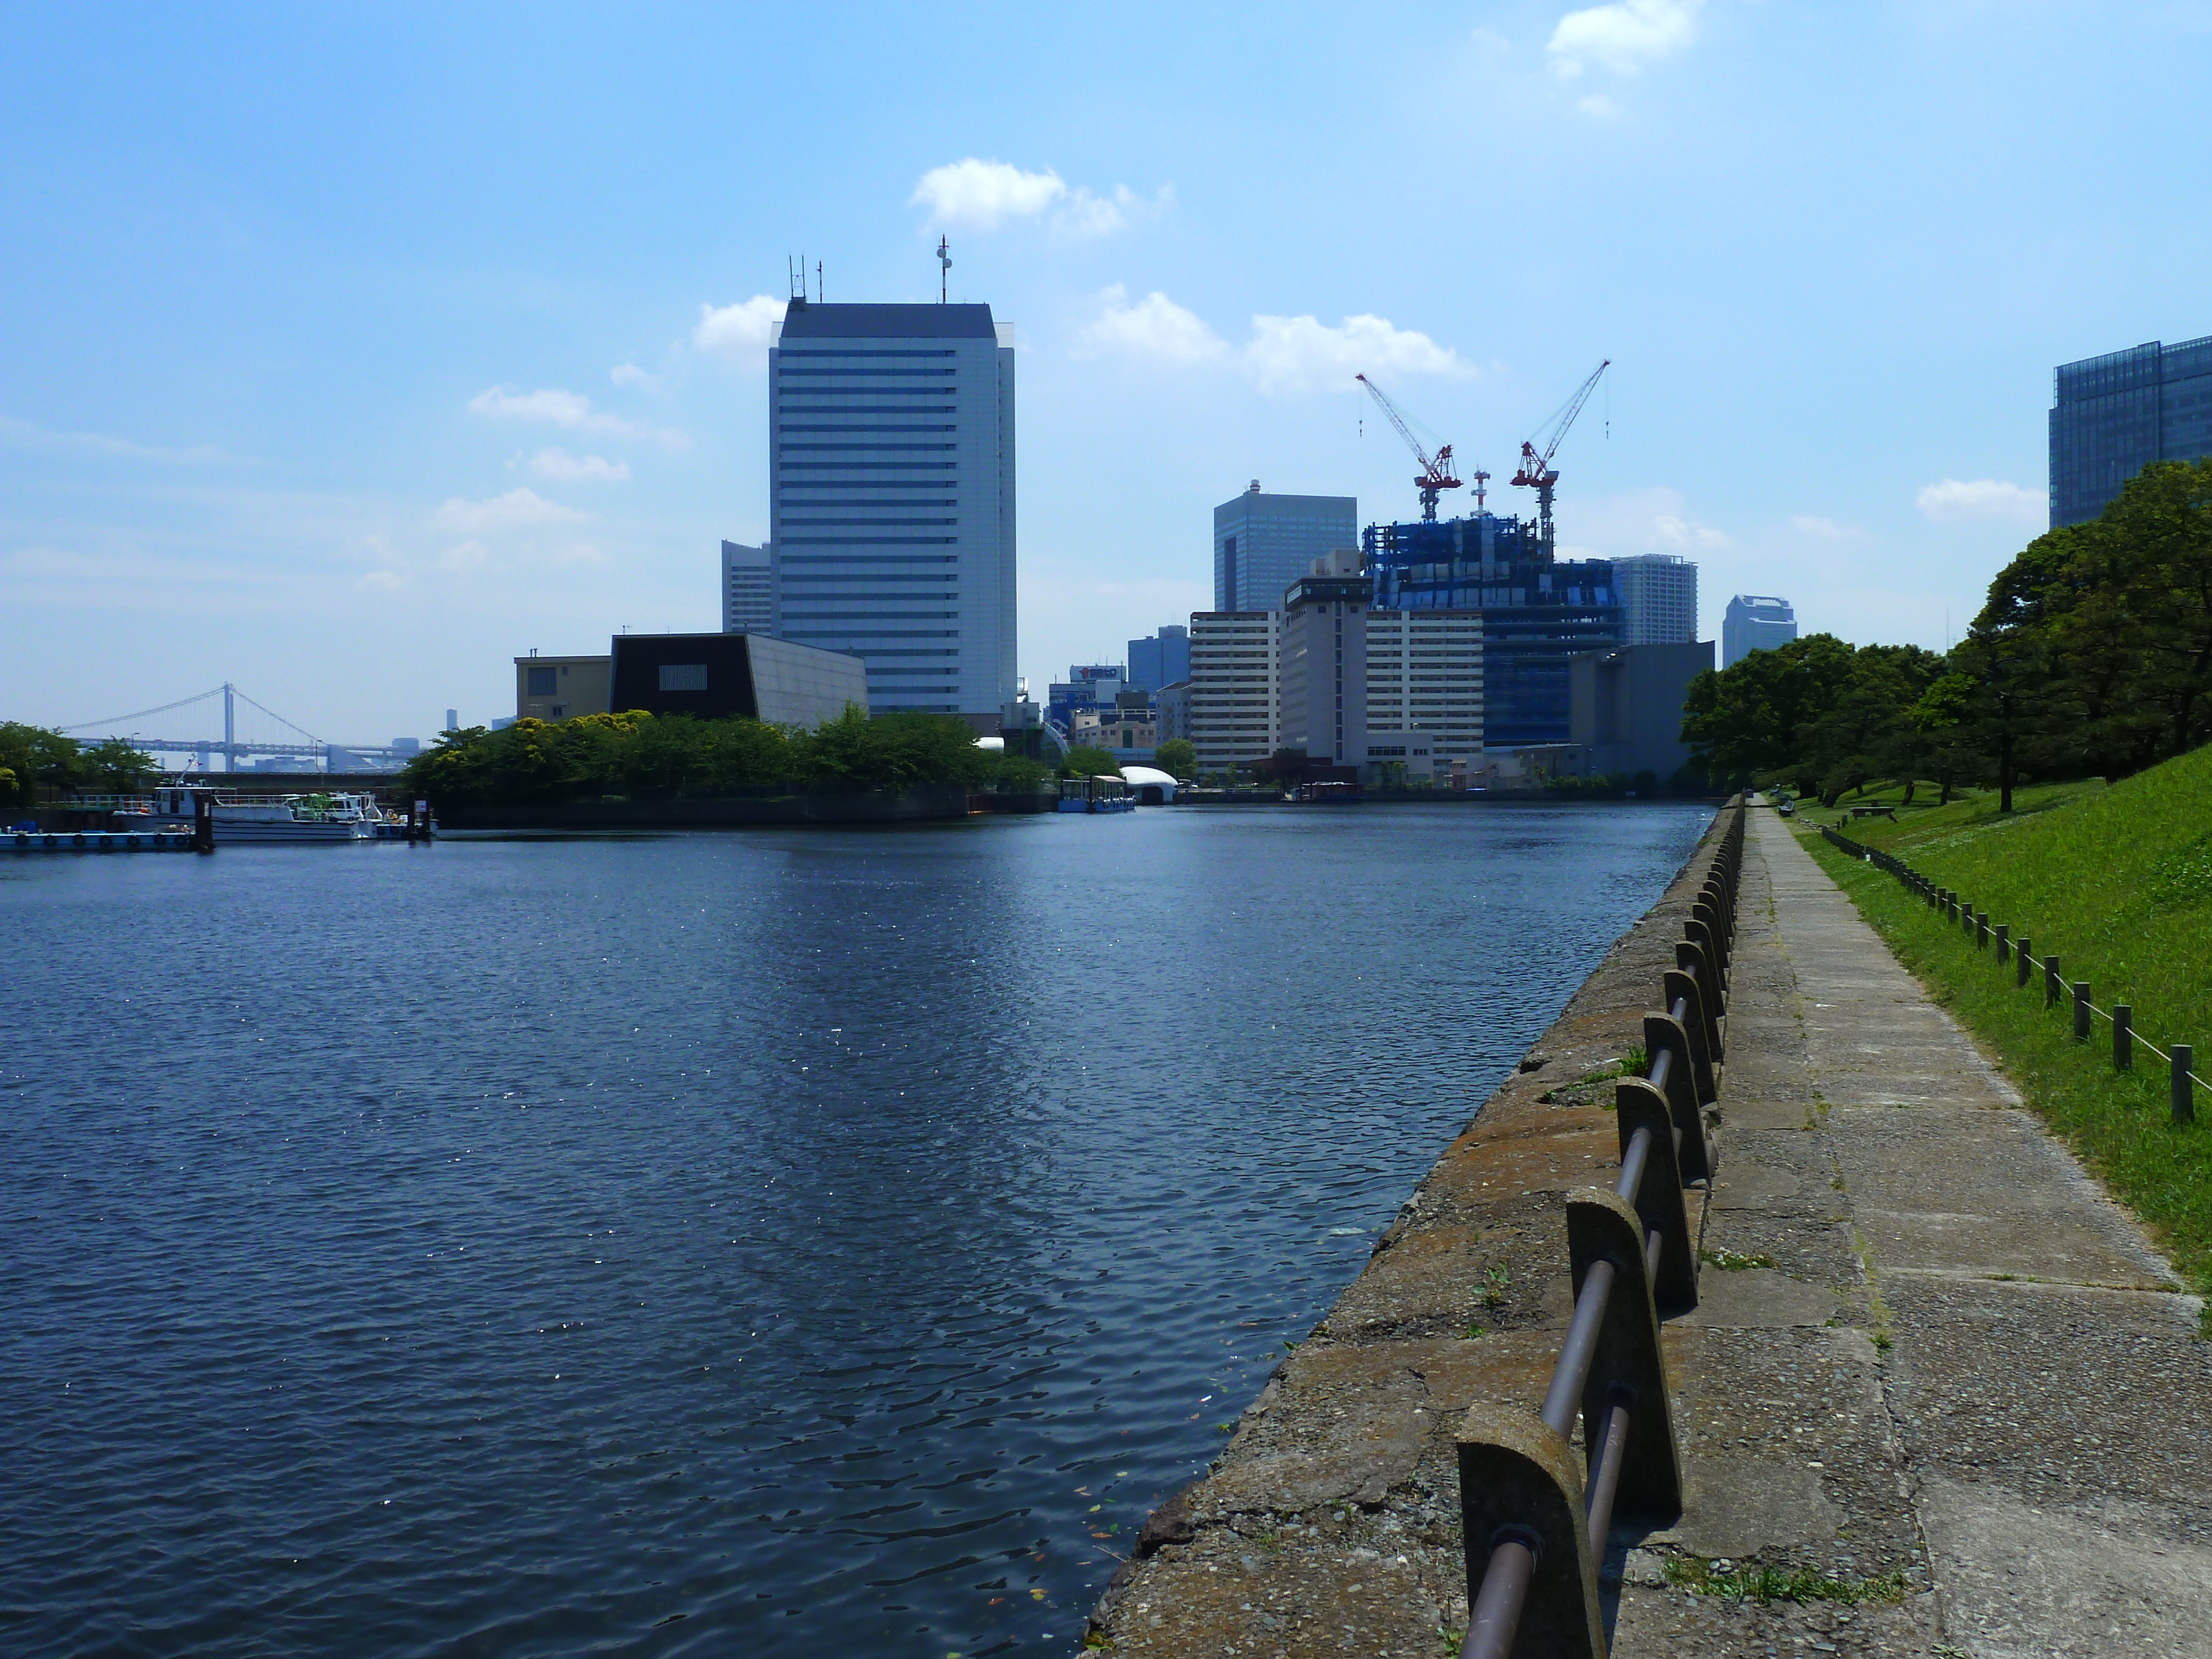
[742,332]
[979,194]
[1088,214]
[386,581]
[631,374]
[1827,530]
[557,463]
[1623,36]
[1296,352]
[1985,500]
[1155,326]
[570,410]
[1672,531]
[1283,354]
[517,507]
[29,434]
[1598,107]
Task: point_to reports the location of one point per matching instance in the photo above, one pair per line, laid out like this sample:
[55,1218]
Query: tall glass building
[1755,622]
[2113,416]
[891,498]
[1263,543]
[1536,611]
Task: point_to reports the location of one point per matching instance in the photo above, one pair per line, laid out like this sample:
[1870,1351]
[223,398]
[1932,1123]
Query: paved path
[1963,1365]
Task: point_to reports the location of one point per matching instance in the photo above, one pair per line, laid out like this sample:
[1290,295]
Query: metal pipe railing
[1610,1371]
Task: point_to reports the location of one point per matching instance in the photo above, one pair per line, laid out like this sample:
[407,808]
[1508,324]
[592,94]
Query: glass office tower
[892,499]
[1263,543]
[2113,416]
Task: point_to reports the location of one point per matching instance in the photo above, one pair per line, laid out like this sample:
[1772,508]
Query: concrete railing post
[2002,935]
[2081,1011]
[2124,1037]
[1982,931]
[2051,982]
[2184,1062]
[2027,960]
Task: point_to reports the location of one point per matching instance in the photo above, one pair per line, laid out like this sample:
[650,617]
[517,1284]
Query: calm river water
[759,1243]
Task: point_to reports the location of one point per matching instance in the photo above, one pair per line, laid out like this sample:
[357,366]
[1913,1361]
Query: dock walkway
[2014,1409]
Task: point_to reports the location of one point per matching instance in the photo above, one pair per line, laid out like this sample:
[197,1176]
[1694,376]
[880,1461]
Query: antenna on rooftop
[944,267]
[817,282]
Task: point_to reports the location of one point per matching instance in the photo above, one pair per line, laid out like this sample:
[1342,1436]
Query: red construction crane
[1536,472]
[1436,474]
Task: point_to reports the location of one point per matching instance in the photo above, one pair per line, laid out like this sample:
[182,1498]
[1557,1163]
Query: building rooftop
[815,321]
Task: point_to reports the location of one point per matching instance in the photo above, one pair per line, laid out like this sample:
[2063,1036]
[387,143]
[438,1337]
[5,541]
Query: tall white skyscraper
[891,498]
[1658,599]
[748,597]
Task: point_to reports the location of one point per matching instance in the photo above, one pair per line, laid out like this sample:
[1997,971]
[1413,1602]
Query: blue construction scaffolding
[1536,611]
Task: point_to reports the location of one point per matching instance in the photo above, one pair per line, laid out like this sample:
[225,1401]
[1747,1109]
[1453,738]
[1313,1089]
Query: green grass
[1757,1582]
[2117,882]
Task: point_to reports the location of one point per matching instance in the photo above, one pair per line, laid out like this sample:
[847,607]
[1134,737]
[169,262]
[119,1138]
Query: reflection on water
[765,1243]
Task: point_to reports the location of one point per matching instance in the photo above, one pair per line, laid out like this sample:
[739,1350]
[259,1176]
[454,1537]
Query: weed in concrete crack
[1765,1585]
[1729,1261]
[1453,1638]
[1475,1333]
[1497,1282]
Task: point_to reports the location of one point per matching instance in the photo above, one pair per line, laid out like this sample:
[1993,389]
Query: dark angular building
[2113,416]
[735,676]
[1536,611]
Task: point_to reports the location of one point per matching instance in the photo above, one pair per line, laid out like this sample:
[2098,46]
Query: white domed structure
[1150,785]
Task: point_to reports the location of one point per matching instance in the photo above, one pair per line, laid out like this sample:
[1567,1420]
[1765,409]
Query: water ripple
[775,1243]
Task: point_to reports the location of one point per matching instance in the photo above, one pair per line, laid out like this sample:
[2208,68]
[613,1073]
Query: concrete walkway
[1927,1346]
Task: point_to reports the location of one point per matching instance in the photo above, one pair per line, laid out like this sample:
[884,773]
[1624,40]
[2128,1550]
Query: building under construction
[1536,611]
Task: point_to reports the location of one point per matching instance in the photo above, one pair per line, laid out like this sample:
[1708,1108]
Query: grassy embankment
[2117,882]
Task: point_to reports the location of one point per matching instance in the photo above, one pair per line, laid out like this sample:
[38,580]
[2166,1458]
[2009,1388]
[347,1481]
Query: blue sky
[352,351]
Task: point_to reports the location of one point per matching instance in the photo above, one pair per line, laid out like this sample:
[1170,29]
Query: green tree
[1085,761]
[113,767]
[1178,756]
[38,758]
[1756,715]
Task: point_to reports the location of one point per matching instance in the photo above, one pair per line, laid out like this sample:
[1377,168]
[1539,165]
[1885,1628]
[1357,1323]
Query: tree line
[638,755]
[2093,656]
[32,757]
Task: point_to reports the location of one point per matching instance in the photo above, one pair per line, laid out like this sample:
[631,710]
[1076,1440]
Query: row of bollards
[1976,924]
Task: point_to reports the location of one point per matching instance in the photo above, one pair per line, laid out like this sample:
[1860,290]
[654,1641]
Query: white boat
[240,818]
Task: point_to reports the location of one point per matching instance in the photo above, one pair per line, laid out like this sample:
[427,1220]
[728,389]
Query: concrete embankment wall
[1331,1522]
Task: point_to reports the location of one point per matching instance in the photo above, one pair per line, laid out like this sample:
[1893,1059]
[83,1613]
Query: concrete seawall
[1330,1524]
[1939,1395]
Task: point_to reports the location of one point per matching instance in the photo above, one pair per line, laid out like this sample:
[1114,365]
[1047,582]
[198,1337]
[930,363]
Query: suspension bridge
[271,736]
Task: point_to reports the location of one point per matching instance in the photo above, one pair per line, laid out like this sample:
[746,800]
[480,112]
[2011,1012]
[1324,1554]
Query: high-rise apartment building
[1232,687]
[2113,416]
[1321,658]
[1425,677]
[891,498]
[1161,660]
[1263,543]
[1752,622]
[748,595]
[1658,599]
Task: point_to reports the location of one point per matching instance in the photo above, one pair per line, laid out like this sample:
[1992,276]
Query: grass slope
[2117,882]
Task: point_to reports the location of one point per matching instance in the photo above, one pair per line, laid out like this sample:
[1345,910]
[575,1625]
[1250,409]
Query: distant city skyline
[332,347]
